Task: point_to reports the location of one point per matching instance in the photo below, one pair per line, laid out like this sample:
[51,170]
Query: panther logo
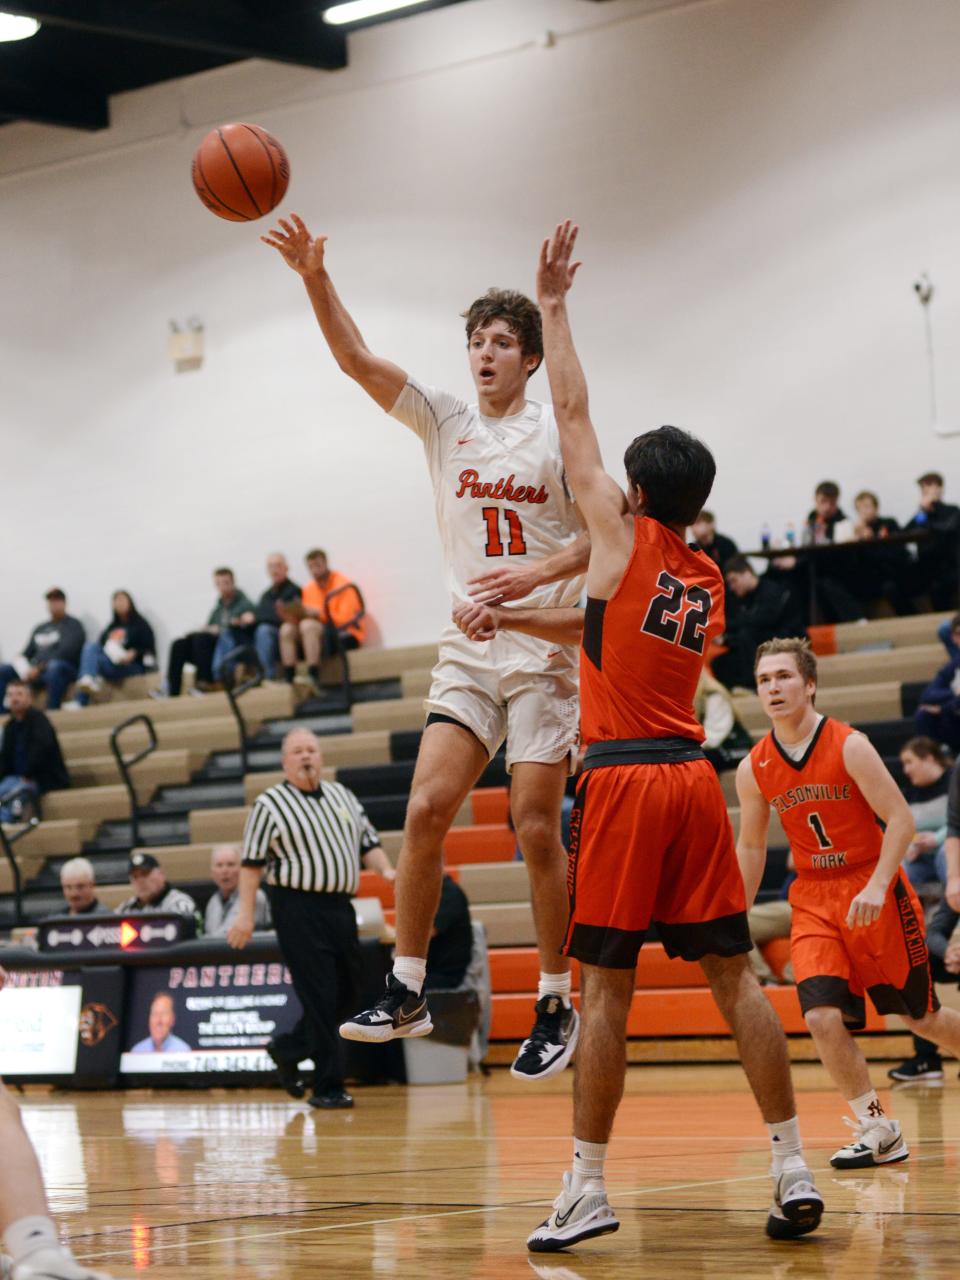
[96,1023]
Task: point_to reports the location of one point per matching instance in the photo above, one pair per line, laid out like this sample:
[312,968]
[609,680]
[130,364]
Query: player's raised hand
[501,585]
[556,268]
[301,251]
[866,906]
[477,621]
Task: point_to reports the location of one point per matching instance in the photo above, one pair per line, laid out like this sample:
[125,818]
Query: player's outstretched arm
[382,380]
[516,581]
[885,799]
[599,497]
[754,822]
[482,622]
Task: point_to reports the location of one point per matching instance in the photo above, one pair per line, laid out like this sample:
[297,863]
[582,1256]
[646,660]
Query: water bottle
[790,536]
[765,537]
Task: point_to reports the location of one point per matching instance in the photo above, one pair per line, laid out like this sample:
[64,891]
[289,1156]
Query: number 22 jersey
[643,649]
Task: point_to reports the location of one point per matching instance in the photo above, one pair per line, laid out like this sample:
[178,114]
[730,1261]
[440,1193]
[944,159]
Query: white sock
[588,1158]
[785,1146]
[28,1235]
[411,971]
[554,984]
[867,1107]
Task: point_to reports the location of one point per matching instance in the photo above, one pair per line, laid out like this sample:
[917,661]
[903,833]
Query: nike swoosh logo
[764,763]
[554,653]
[882,1150]
[467,441]
[564,1218]
[409,1017]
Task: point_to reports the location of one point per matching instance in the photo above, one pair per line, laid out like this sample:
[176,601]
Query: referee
[310,836]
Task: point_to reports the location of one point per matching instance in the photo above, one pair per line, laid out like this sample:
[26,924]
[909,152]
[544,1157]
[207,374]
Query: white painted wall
[759,182]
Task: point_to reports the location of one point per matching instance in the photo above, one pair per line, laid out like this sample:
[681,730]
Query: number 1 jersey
[643,649]
[500,494]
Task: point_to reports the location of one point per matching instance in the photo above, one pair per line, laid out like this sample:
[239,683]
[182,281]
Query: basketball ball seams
[236,169]
[242,217]
[273,167]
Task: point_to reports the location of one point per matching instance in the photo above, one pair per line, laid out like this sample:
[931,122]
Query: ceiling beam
[72,108]
[306,41]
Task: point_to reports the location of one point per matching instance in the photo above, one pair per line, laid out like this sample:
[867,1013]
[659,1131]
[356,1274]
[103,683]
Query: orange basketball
[240,172]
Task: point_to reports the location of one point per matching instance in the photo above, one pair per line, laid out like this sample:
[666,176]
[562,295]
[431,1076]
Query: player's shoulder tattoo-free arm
[866,768]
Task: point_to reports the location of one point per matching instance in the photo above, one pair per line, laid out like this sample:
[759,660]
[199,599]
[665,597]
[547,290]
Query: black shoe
[288,1073]
[331,1100]
[917,1069]
[550,1045]
[399,1013]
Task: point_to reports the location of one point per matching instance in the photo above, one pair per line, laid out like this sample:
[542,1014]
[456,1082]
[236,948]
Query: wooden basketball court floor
[447,1181]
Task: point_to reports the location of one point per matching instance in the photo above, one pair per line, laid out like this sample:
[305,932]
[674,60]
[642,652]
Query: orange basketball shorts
[652,843]
[835,965]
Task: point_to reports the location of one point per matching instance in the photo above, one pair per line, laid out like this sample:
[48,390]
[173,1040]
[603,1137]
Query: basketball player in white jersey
[501,498]
[30,1248]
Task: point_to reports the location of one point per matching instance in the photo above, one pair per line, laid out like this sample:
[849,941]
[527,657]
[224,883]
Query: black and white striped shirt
[309,840]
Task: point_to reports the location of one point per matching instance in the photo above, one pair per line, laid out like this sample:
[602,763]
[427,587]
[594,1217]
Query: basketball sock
[411,971]
[554,984]
[785,1146]
[588,1158]
[28,1235]
[867,1107]
[289,673]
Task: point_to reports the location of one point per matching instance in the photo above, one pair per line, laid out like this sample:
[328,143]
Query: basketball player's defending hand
[299,249]
[555,271]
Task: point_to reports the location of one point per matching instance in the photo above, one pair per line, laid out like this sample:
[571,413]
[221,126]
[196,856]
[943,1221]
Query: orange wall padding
[823,640]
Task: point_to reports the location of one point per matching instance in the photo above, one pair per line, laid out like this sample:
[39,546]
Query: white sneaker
[577,1215]
[54,1264]
[93,683]
[797,1205]
[72,705]
[878,1141]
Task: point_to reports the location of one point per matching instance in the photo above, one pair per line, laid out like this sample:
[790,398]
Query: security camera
[923,288]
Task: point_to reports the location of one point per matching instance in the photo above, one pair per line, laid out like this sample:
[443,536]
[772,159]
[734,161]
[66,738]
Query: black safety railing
[7,841]
[244,655]
[339,633]
[126,763]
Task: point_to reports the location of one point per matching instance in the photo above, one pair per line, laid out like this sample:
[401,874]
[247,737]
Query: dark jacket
[939,692]
[720,550]
[937,557]
[287,592]
[44,765]
[137,635]
[49,640]
[767,612]
[451,947]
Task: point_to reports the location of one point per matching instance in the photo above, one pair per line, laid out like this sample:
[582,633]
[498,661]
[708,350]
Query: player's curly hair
[674,469]
[521,316]
[798,646]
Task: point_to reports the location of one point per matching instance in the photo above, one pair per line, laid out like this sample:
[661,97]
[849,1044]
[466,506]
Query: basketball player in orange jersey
[650,836]
[501,499]
[31,1248]
[857,924]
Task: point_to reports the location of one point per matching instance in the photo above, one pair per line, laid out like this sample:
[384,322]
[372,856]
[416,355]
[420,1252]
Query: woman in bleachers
[928,769]
[126,647]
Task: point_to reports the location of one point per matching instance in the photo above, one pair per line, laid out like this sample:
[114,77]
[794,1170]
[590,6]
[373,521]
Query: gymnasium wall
[759,182]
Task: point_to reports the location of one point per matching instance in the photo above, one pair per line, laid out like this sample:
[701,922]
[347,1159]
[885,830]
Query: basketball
[240,172]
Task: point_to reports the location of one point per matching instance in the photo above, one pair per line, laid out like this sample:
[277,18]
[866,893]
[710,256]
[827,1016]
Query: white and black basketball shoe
[578,1214]
[877,1141]
[551,1044]
[398,1013]
[54,1263]
[797,1205]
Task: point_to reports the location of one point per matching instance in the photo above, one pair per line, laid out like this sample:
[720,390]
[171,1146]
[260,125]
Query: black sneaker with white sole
[551,1044]
[398,1013]
[916,1069]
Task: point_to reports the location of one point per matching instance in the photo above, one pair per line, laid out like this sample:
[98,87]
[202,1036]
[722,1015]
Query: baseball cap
[141,862]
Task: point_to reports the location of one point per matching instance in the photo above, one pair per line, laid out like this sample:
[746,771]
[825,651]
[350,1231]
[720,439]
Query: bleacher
[193,792]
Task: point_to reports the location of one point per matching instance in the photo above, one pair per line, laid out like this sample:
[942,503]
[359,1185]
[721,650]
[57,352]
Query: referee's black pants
[317,934]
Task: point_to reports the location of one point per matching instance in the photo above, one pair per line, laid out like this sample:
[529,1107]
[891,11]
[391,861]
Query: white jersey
[500,494]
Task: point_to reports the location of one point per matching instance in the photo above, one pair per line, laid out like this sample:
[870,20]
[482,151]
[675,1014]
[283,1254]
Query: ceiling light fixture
[360,10]
[16,28]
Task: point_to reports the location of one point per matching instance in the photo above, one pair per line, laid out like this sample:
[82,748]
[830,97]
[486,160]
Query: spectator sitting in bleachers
[883,573]
[51,658]
[928,770]
[836,580]
[451,942]
[126,648]
[938,715]
[223,905]
[768,921]
[151,892]
[948,633]
[717,546]
[726,741]
[79,885]
[229,625]
[30,755]
[763,608]
[328,621]
[266,638]
[937,569]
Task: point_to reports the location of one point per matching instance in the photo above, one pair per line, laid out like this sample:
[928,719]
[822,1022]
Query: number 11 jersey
[643,649]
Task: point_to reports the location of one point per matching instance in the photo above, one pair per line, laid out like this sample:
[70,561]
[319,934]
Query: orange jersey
[643,648]
[830,826]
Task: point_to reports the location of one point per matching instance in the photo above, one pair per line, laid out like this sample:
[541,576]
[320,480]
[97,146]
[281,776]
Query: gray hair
[78,867]
[234,848]
[293,733]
